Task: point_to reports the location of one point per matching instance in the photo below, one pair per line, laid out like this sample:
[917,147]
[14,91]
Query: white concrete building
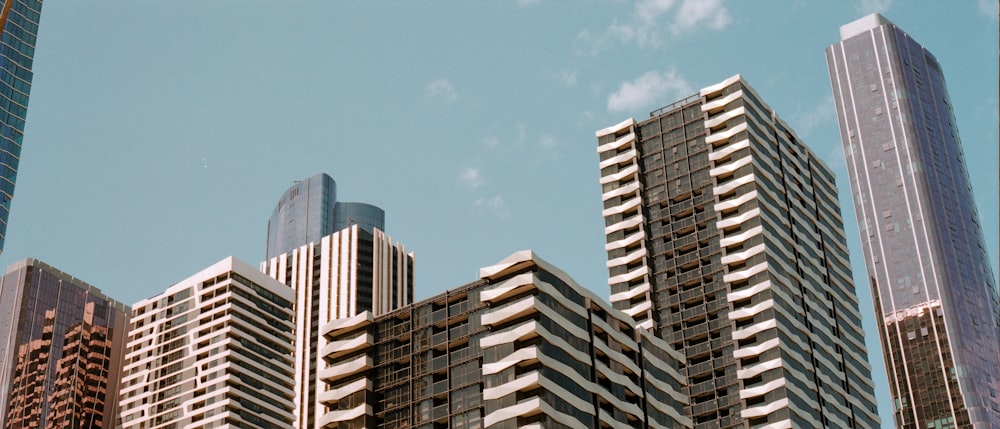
[346,273]
[212,351]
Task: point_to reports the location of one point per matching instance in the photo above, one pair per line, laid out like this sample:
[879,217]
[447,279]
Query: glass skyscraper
[62,344]
[933,286]
[309,211]
[18,28]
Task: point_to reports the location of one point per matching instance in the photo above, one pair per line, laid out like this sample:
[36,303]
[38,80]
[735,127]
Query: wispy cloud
[548,142]
[471,178]
[874,6]
[651,18]
[442,89]
[525,3]
[569,78]
[808,120]
[648,88]
[696,13]
[494,205]
[989,9]
[491,142]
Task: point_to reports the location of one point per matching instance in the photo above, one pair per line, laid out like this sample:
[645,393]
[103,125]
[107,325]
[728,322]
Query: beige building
[212,351]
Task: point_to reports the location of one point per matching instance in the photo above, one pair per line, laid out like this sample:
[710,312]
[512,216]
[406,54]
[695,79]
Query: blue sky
[161,134]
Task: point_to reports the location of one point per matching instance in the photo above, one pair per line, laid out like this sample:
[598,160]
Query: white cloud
[874,6]
[494,205]
[645,27]
[548,142]
[822,113]
[470,177]
[491,142]
[651,87]
[989,8]
[569,78]
[442,89]
[695,13]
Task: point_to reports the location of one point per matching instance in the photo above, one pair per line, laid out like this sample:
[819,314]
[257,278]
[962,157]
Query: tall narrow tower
[351,269]
[724,237]
[18,30]
[933,287]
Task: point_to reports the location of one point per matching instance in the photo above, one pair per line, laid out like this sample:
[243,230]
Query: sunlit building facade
[350,272]
[724,238]
[212,351]
[62,349]
[933,287]
[524,346]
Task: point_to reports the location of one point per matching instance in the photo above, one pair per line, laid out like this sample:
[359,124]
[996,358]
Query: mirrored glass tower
[18,28]
[62,344]
[933,287]
[309,211]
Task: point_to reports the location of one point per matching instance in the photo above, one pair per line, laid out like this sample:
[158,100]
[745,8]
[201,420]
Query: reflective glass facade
[61,353]
[933,286]
[18,29]
[365,215]
[304,214]
[309,211]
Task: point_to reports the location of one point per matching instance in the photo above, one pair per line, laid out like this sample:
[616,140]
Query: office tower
[18,27]
[524,346]
[309,210]
[212,351]
[724,237]
[346,273]
[932,283]
[63,344]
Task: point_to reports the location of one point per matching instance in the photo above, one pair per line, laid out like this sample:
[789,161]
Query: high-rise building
[18,29]
[63,344]
[349,272]
[724,237]
[212,351]
[524,346]
[933,287]
[309,210]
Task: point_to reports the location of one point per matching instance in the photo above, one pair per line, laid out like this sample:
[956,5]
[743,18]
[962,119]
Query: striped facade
[557,357]
[525,346]
[933,287]
[724,233]
[212,351]
[347,273]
